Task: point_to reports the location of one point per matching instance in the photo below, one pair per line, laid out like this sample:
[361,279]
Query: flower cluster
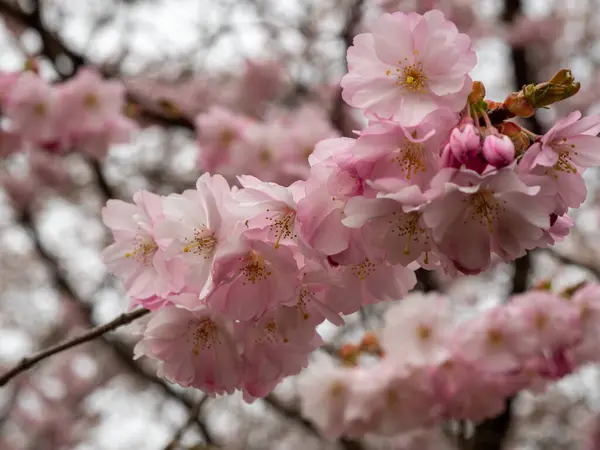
[437,368]
[239,278]
[83,113]
[236,293]
[275,149]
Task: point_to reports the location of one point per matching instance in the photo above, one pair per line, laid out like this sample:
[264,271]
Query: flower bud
[517,104]
[465,143]
[498,150]
[478,93]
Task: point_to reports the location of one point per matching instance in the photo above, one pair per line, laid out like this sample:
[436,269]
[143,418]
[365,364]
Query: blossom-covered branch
[29,361]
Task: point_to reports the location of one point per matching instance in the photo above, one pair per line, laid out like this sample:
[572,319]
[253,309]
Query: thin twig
[29,361]
[193,418]
[564,259]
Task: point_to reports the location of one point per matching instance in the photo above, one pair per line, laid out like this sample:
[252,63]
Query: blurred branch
[54,49]
[28,362]
[564,259]
[291,413]
[118,348]
[491,434]
[193,417]
[338,113]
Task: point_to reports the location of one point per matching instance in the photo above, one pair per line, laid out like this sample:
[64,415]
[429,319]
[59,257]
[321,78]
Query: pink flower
[421,323]
[196,225]
[276,346]
[88,102]
[409,66]
[565,185]
[551,323]
[394,223]
[570,145]
[96,143]
[217,129]
[479,214]
[268,206]
[466,392]
[406,397]
[587,301]
[559,229]
[490,342]
[135,256]
[369,282]
[32,108]
[410,154]
[251,276]
[260,82]
[195,349]
[325,391]
[316,281]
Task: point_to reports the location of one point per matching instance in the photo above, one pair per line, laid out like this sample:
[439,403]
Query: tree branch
[193,418]
[338,116]
[28,362]
[54,49]
[492,433]
[273,401]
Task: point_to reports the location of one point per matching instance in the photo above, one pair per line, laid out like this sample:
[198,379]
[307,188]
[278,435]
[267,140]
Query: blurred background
[276,64]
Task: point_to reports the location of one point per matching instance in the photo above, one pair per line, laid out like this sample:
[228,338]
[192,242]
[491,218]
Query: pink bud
[498,150]
[465,143]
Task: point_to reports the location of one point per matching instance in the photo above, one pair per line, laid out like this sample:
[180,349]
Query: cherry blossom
[408,67]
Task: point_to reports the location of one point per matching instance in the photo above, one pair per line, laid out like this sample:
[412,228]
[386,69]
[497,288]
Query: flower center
[424,332]
[541,320]
[407,227]
[363,270]
[202,334]
[485,208]
[410,76]
[40,109]
[265,156]
[410,158]
[303,299]
[143,251]
[91,101]
[227,137]
[495,338]
[282,225]
[202,244]
[270,334]
[255,269]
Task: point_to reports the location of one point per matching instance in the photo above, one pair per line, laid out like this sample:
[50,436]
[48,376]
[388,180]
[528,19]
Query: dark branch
[338,116]
[193,418]
[30,361]
[491,434]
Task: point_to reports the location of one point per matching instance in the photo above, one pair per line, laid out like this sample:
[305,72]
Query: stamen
[143,251]
[411,158]
[255,269]
[410,76]
[203,334]
[203,244]
[283,225]
[363,270]
[485,208]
